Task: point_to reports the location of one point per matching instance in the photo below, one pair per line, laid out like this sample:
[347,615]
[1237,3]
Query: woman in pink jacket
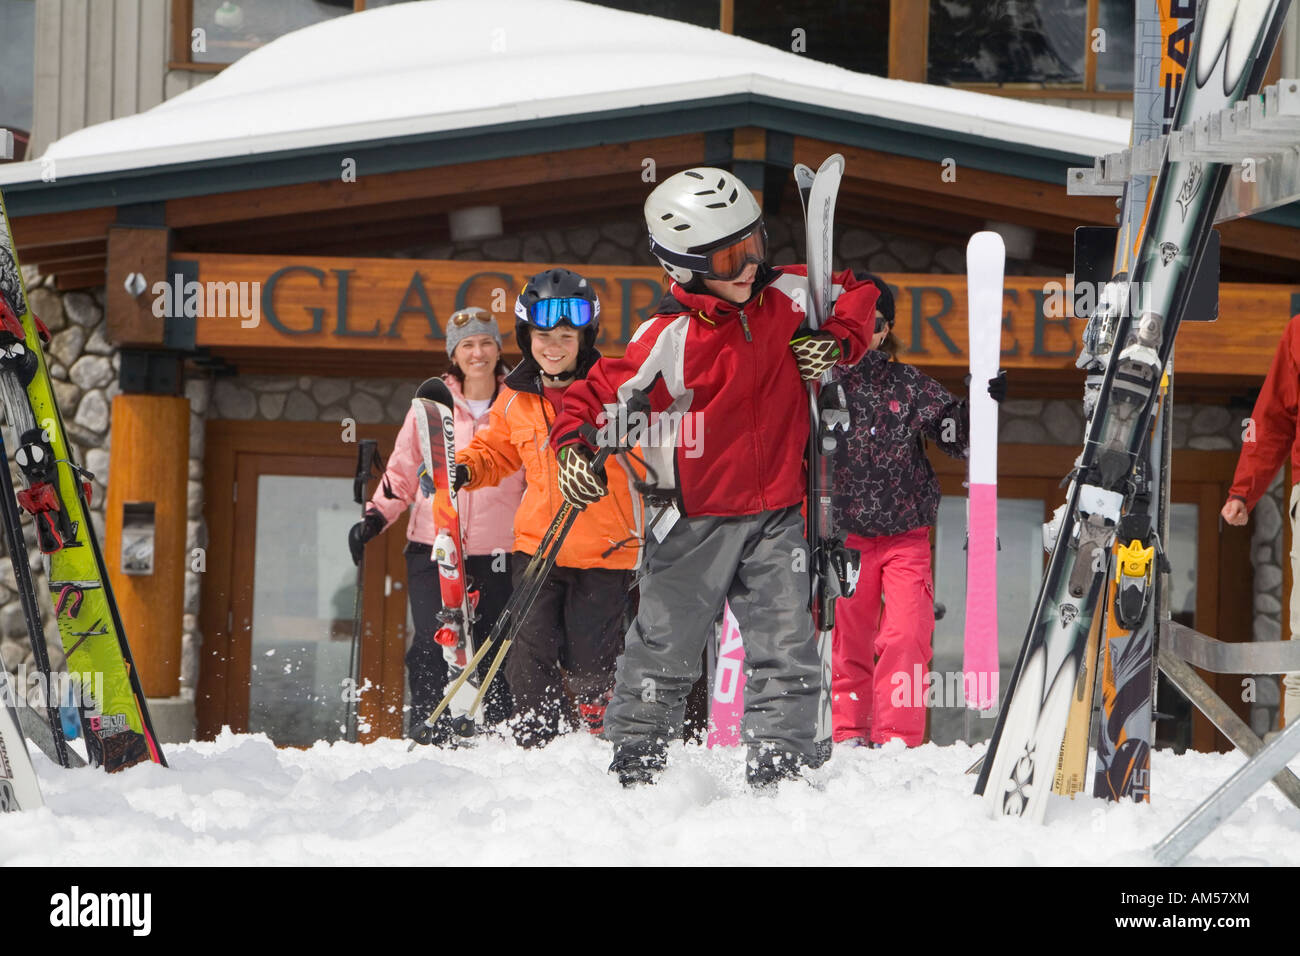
[486,517]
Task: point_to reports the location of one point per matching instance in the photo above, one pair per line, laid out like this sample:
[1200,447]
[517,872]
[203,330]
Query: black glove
[361,532]
[998,386]
[461,477]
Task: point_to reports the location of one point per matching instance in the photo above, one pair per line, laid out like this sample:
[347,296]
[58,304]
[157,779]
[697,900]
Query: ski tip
[834,159]
[986,241]
[434,390]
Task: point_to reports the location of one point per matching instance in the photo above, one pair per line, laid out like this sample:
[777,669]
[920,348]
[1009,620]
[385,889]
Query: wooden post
[909,39]
[148,464]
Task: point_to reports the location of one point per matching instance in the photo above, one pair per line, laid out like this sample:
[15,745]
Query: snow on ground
[239,800]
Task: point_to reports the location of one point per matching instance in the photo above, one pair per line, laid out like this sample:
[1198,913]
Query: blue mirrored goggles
[548,313]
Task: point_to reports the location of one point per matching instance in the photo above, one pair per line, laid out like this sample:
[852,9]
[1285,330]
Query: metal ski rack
[1235,791]
[1261,134]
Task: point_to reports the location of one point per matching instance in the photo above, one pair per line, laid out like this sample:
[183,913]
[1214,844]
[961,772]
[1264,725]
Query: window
[853,34]
[1084,45]
[701,13]
[17,74]
[232,29]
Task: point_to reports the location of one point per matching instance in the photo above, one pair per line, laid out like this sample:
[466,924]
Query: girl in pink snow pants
[886,499]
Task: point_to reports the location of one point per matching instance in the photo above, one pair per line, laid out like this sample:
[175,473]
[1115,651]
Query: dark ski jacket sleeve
[1272,429]
[884,484]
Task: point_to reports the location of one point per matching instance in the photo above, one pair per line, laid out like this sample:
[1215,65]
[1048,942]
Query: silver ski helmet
[704,221]
[552,298]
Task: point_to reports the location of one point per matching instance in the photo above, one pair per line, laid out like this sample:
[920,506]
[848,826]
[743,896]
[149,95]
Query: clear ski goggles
[573,310]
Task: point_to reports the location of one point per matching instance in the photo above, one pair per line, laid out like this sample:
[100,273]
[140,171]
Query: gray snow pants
[760,564]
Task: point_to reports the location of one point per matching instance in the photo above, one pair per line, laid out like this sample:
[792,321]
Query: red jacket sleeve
[610,380]
[1273,422]
[853,319]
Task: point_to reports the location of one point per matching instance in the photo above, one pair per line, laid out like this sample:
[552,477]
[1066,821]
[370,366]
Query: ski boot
[765,769]
[639,762]
[592,715]
[439,735]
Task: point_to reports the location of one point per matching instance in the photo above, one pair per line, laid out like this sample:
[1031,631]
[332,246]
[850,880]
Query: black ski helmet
[555,284]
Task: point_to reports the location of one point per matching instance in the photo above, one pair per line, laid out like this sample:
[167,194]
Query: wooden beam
[130,319]
[457,180]
[87,279]
[61,228]
[909,39]
[727,16]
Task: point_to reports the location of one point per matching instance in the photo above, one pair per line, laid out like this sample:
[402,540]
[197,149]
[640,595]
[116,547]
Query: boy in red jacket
[724,362]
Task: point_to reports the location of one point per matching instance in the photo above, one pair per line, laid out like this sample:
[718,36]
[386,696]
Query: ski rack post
[1263,130]
[1234,791]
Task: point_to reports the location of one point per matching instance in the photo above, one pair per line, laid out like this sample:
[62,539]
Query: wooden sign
[400,306]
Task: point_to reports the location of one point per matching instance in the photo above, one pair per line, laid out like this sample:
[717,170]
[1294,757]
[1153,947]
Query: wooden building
[294,274]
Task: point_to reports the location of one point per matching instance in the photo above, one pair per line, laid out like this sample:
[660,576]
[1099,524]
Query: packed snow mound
[462,64]
[240,801]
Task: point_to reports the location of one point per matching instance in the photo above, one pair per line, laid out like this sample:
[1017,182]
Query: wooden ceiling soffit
[39,237]
[310,230]
[456,180]
[926,176]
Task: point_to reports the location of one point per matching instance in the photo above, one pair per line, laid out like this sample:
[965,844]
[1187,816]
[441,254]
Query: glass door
[304,595]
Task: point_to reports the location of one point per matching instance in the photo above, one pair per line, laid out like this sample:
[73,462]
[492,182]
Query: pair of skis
[834,567]
[436,415]
[1229,55]
[56,494]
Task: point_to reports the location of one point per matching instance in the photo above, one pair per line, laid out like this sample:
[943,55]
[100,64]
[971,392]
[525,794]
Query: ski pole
[520,604]
[367,456]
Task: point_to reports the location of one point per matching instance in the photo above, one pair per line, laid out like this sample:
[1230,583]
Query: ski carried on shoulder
[1229,54]
[56,494]
[455,634]
[834,567]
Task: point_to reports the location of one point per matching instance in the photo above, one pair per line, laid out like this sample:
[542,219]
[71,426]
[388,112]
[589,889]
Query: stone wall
[83,370]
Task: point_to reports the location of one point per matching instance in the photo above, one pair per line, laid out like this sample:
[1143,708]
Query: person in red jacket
[724,362]
[477,373]
[1273,430]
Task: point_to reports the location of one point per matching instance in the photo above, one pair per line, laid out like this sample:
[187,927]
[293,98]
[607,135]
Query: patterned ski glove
[579,483]
[361,532]
[816,354]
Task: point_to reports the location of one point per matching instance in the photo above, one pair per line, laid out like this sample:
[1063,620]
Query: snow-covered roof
[442,65]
